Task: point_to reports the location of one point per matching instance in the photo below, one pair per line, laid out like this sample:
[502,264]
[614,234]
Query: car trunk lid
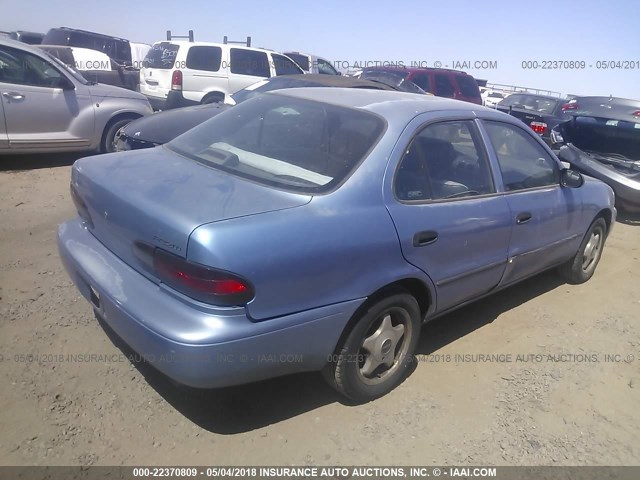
[156,198]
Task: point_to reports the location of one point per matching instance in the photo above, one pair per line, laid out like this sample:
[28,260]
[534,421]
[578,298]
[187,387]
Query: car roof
[334,81]
[102,35]
[381,102]
[22,46]
[186,43]
[413,70]
[546,97]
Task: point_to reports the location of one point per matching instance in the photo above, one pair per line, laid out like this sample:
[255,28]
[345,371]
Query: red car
[439,81]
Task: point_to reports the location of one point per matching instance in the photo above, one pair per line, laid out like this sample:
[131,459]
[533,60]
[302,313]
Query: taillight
[176,80]
[636,113]
[538,127]
[209,285]
[81,207]
[569,106]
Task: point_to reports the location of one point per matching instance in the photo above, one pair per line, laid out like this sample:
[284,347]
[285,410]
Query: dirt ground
[562,387]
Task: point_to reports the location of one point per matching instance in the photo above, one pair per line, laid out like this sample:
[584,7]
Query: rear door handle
[421,239]
[523,217]
[13,95]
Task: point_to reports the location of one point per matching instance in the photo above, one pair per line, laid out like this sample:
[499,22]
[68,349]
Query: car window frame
[496,161]
[46,60]
[481,147]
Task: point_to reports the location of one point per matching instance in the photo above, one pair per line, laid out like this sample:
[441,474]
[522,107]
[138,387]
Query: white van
[178,74]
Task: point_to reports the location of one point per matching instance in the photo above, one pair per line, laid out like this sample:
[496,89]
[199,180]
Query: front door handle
[13,95]
[421,239]
[523,217]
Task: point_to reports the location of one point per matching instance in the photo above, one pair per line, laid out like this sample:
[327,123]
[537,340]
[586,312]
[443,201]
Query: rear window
[468,86]
[444,87]
[302,60]
[284,66]
[161,55]
[284,142]
[249,62]
[204,58]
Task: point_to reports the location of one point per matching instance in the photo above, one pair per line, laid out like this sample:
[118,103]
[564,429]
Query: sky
[503,33]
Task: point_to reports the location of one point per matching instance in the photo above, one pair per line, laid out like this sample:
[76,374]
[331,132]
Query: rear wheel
[582,266]
[378,351]
[212,98]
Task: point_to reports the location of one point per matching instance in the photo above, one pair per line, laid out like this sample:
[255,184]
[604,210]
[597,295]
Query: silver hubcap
[382,350]
[591,251]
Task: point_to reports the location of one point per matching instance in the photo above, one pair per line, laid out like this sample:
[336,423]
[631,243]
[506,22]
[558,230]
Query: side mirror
[571,178]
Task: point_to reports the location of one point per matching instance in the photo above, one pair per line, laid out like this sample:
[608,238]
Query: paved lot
[547,396]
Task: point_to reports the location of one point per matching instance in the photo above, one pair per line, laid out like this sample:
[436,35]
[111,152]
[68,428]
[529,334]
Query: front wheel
[379,350]
[108,144]
[582,266]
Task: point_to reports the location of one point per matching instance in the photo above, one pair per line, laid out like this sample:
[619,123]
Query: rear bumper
[194,344]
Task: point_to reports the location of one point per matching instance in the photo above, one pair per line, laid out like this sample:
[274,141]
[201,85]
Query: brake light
[569,106]
[209,285]
[538,127]
[176,80]
[636,113]
[81,207]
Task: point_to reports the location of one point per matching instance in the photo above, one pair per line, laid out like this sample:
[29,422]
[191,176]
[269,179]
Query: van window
[284,66]
[444,88]
[422,80]
[302,60]
[467,85]
[249,62]
[161,55]
[204,58]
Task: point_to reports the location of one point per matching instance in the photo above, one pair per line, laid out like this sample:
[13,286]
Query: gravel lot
[550,398]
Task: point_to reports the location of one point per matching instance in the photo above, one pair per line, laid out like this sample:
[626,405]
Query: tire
[214,98]
[582,266]
[109,136]
[377,354]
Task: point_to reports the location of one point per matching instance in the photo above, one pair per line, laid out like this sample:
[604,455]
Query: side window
[284,66]
[523,162]
[325,67]
[22,68]
[422,80]
[444,160]
[249,62]
[204,58]
[444,87]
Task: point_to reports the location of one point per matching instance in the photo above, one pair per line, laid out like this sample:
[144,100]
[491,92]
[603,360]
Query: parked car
[95,66]
[317,228]
[119,49]
[540,112]
[180,74]
[45,106]
[312,63]
[602,139]
[32,38]
[163,127]
[439,81]
[491,98]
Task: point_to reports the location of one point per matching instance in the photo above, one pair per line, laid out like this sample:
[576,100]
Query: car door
[4,139]
[451,221]
[545,216]
[42,107]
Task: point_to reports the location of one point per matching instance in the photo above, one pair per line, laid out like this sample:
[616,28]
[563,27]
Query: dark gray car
[602,139]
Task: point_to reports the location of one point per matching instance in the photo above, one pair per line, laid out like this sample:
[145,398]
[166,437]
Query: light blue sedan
[317,229]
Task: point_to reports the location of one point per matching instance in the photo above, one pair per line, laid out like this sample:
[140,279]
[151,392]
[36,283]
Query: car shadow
[459,323]
[248,407]
[37,161]
[628,218]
